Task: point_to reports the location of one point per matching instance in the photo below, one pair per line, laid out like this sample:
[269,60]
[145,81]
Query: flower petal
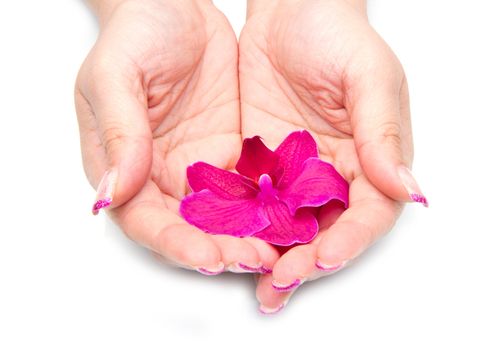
[256,159]
[317,184]
[286,229]
[214,214]
[292,153]
[225,184]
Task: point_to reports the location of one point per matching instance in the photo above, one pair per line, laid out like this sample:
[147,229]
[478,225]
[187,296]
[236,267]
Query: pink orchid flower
[273,196]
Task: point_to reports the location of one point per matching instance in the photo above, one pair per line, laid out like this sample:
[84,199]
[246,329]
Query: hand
[159,91]
[318,65]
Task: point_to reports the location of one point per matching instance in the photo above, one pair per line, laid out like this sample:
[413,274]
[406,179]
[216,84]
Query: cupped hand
[320,66]
[158,92]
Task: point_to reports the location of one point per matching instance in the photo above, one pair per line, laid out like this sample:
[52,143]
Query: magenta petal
[293,152]
[317,184]
[286,229]
[225,184]
[213,214]
[256,159]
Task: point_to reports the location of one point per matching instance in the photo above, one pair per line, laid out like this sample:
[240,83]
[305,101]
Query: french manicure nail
[243,268]
[250,268]
[264,270]
[212,271]
[411,186]
[269,310]
[105,191]
[286,287]
[330,268]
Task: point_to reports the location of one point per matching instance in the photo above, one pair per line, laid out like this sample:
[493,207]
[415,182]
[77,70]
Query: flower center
[267,192]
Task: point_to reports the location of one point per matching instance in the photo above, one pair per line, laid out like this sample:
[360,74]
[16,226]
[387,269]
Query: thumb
[382,134]
[120,146]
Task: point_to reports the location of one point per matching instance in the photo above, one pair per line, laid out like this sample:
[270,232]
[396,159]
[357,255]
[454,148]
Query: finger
[369,216]
[241,255]
[267,253]
[121,141]
[298,264]
[93,156]
[146,220]
[382,134]
[271,301]
[293,268]
[404,110]
[238,255]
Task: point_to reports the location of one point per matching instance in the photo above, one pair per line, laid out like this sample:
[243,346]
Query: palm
[293,68]
[194,111]
[193,108]
[294,88]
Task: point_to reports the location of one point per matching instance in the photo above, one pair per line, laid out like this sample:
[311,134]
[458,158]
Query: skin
[153,96]
[167,85]
[320,66]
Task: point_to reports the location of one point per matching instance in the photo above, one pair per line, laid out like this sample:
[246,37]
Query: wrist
[259,6]
[359,5]
[104,9]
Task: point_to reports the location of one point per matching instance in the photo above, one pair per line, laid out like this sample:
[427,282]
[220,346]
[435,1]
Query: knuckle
[112,138]
[390,133]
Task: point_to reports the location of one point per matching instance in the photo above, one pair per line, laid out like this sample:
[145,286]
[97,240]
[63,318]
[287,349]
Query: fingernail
[269,310]
[330,268]
[411,186]
[243,268]
[286,287]
[211,271]
[105,191]
[264,270]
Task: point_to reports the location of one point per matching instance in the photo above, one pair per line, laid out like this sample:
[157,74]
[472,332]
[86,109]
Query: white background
[69,280]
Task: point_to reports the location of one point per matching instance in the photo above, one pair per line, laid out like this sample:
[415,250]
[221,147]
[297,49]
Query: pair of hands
[167,84]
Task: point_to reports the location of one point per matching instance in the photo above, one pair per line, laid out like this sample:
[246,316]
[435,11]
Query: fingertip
[330,268]
[270,300]
[265,310]
[412,189]
[211,270]
[124,179]
[287,287]
[267,253]
[395,181]
[238,255]
[339,245]
[293,268]
[105,191]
